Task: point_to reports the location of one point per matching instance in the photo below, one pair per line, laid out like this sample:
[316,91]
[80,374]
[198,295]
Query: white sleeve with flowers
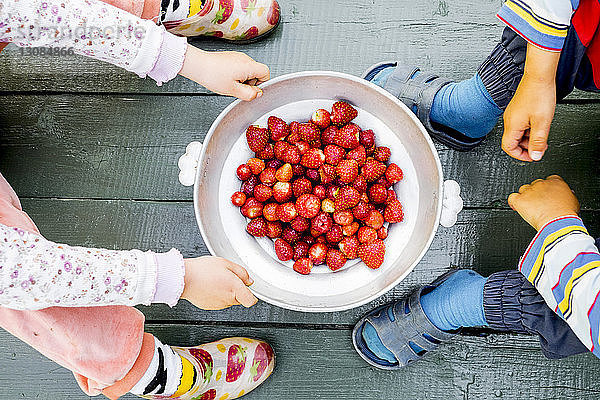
[36,273]
[90,27]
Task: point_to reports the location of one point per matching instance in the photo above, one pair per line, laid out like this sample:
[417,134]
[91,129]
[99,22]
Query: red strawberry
[284,174]
[293,137]
[360,184]
[256,137]
[372,254]
[283,250]
[290,235]
[347,136]
[321,118]
[359,154]
[280,148]
[205,360]
[274,13]
[225,10]
[335,234]
[347,170]
[393,173]
[343,217]
[349,246]
[252,209]
[291,155]
[300,224]
[262,192]
[378,193]
[263,357]
[367,138]
[274,163]
[238,199]
[335,259]
[206,8]
[391,196]
[248,186]
[312,174]
[382,233]
[366,234]
[256,165]
[333,154]
[321,223]
[279,129]
[251,33]
[317,253]
[294,127]
[301,250]
[350,229]
[257,227]
[347,197]
[298,170]
[308,205]
[319,238]
[384,182]
[393,212]
[361,211]
[372,170]
[313,159]
[342,113]
[327,173]
[243,172]
[268,176]
[302,146]
[328,135]
[267,153]
[382,154]
[236,362]
[303,266]
[270,211]
[309,132]
[282,192]
[374,219]
[286,212]
[217,34]
[209,395]
[327,205]
[320,192]
[301,186]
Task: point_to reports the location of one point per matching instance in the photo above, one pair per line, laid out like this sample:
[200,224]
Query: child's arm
[36,273]
[544,24]
[98,30]
[562,261]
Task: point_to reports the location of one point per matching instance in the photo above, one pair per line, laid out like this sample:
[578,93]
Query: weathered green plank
[321,364]
[488,240]
[127,147]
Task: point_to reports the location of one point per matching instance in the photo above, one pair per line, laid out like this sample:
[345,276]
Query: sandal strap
[410,324]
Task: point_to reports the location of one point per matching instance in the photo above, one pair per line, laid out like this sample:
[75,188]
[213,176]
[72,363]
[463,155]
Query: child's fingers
[241,273]
[511,144]
[512,200]
[245,297]
[246,92]
[259,71]
[538,139]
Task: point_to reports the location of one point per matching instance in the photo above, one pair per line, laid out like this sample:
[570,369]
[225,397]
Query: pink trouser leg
[146,9]
[100,345]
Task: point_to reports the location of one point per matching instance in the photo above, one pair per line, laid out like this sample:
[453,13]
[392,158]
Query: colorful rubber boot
[233,20]
[225,369]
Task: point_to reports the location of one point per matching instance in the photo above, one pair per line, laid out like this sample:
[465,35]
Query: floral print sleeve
[95,29]
[36,273]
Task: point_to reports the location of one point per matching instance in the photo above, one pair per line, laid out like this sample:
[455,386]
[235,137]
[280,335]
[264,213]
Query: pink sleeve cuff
[170,58]
[170,273]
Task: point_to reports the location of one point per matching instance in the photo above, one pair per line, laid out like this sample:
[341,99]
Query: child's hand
[544,200]
[213,283]
[528,117]
[225,72]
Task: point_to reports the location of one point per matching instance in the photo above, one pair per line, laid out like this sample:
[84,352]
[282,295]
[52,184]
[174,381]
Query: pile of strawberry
[321,189]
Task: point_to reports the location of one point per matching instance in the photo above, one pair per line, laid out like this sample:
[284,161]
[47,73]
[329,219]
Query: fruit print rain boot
[233,20]
[226,369]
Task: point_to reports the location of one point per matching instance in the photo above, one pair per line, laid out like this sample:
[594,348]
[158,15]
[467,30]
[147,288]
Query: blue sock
[456,302]
[466,106]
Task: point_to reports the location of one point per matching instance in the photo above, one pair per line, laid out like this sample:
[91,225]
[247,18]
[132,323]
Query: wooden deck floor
[92,151]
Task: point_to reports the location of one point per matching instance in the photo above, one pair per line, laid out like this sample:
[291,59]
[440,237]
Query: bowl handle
[188,163]
[452,203]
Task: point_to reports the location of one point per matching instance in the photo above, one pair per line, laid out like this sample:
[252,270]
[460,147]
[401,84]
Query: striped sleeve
[563,263]
[543,23]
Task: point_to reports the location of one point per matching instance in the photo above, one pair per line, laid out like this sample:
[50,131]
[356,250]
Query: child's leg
[472,107]
[505,301]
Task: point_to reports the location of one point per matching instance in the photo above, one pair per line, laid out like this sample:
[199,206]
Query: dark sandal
[418,92]
[410,326]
